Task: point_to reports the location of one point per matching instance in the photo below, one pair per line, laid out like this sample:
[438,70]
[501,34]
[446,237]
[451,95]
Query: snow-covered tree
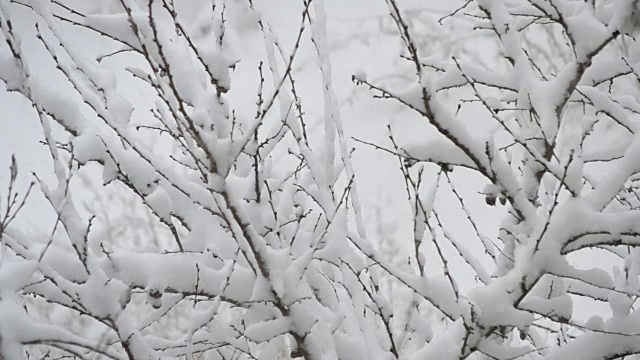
[241,233]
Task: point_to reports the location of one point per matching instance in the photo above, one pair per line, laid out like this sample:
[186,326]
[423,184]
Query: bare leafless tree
[257,245]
